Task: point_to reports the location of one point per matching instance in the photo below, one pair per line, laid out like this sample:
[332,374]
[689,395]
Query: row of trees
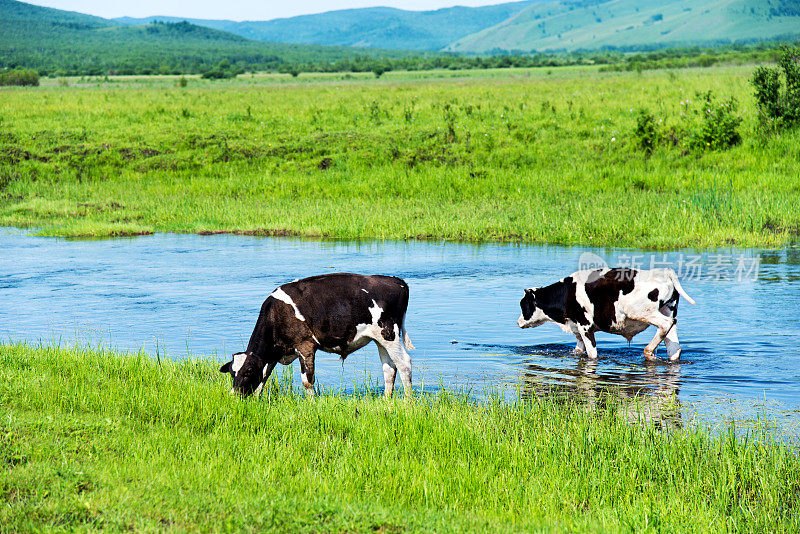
[23,77]
[217,58]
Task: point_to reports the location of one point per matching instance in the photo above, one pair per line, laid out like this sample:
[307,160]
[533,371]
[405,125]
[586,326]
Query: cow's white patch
[315,339]
[281,295]
[257,392]
[264,371]
[375,311]
[238,362]
[366,332]
[365,291]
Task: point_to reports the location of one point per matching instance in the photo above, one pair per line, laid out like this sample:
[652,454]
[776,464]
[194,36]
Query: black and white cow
[337,313]
[620,301]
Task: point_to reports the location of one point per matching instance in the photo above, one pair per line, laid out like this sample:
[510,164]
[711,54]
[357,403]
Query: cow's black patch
[528,304]
[671,303]
[387,330]
[552,300]
[604,292]
[653,295]
[558,301]
[590,337]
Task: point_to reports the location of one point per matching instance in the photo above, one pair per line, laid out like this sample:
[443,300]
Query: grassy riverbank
[102,440]
[533,155]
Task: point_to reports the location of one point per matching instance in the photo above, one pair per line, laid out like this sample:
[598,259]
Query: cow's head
[531,315]
[247,372]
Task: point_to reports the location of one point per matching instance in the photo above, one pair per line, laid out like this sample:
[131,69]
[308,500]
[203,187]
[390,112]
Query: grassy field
[535,156]
[94,439]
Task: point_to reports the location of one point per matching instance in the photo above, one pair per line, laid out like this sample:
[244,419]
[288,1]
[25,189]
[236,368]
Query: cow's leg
[580,348]
[664,325]
[401,359]
[586,336]
[389,370]
[307,369]
[670,310]
[672,344]
[265,376]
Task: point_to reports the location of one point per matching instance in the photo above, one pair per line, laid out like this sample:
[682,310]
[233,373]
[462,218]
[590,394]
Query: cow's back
[334,305]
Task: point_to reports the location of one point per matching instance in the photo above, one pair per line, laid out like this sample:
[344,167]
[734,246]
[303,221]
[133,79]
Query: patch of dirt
[325,164]
[387,528]
[773,227]
[100,207]
[15,155]
[264,232]
[131,153]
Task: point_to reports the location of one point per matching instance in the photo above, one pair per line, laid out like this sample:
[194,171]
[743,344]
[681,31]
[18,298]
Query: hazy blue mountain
[593,24]
[379,27]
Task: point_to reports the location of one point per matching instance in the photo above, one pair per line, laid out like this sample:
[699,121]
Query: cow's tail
[674,277]
[406,340]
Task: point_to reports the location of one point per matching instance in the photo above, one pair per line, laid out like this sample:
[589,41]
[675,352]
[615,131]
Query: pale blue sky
[238,9]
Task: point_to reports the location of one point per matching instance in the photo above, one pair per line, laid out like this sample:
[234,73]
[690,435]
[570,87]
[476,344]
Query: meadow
[92,439]
[514,155]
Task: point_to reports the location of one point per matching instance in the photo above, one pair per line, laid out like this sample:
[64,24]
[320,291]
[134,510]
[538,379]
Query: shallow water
[182,295]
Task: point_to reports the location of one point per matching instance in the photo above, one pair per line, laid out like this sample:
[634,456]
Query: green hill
[593,24]
[52,40]
[380,27]
[535,25]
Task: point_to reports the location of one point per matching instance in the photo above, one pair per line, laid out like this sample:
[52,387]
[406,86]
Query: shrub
[223,70]
[719,127]
[646,132]
[777,109]
[22,77]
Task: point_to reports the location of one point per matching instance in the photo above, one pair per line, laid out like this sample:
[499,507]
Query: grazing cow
[620,301]
[337,313]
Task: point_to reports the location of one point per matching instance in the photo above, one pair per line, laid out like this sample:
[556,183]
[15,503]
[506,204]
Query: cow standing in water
[619,301]
[337,313]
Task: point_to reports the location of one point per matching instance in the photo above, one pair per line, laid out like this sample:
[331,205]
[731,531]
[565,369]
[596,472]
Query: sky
[239,9]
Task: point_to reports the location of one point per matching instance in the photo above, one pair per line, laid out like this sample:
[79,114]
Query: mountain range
[534,25]
[56,41]
[378,27]
[52,40]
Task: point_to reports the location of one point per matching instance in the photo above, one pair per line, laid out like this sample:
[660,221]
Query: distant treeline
[67,48]
[183,48]
[696,56]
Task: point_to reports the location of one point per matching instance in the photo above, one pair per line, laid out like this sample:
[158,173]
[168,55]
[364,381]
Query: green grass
[521,155]
[95,439]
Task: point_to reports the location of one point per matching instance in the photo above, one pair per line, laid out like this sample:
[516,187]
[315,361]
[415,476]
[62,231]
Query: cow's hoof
[576,350]
[675,357]
[649,356]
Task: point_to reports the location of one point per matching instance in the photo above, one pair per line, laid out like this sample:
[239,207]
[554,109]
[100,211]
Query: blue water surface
[199,296]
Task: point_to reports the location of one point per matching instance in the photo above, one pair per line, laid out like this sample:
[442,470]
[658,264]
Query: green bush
[23,77]
[779,109]
[719,127]
[223,70]
[646,132]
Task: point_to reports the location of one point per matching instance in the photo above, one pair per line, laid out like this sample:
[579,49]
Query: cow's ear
[226,368]
[529,291]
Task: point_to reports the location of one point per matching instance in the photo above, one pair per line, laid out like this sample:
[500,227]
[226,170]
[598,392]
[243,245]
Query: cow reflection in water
[648,394]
